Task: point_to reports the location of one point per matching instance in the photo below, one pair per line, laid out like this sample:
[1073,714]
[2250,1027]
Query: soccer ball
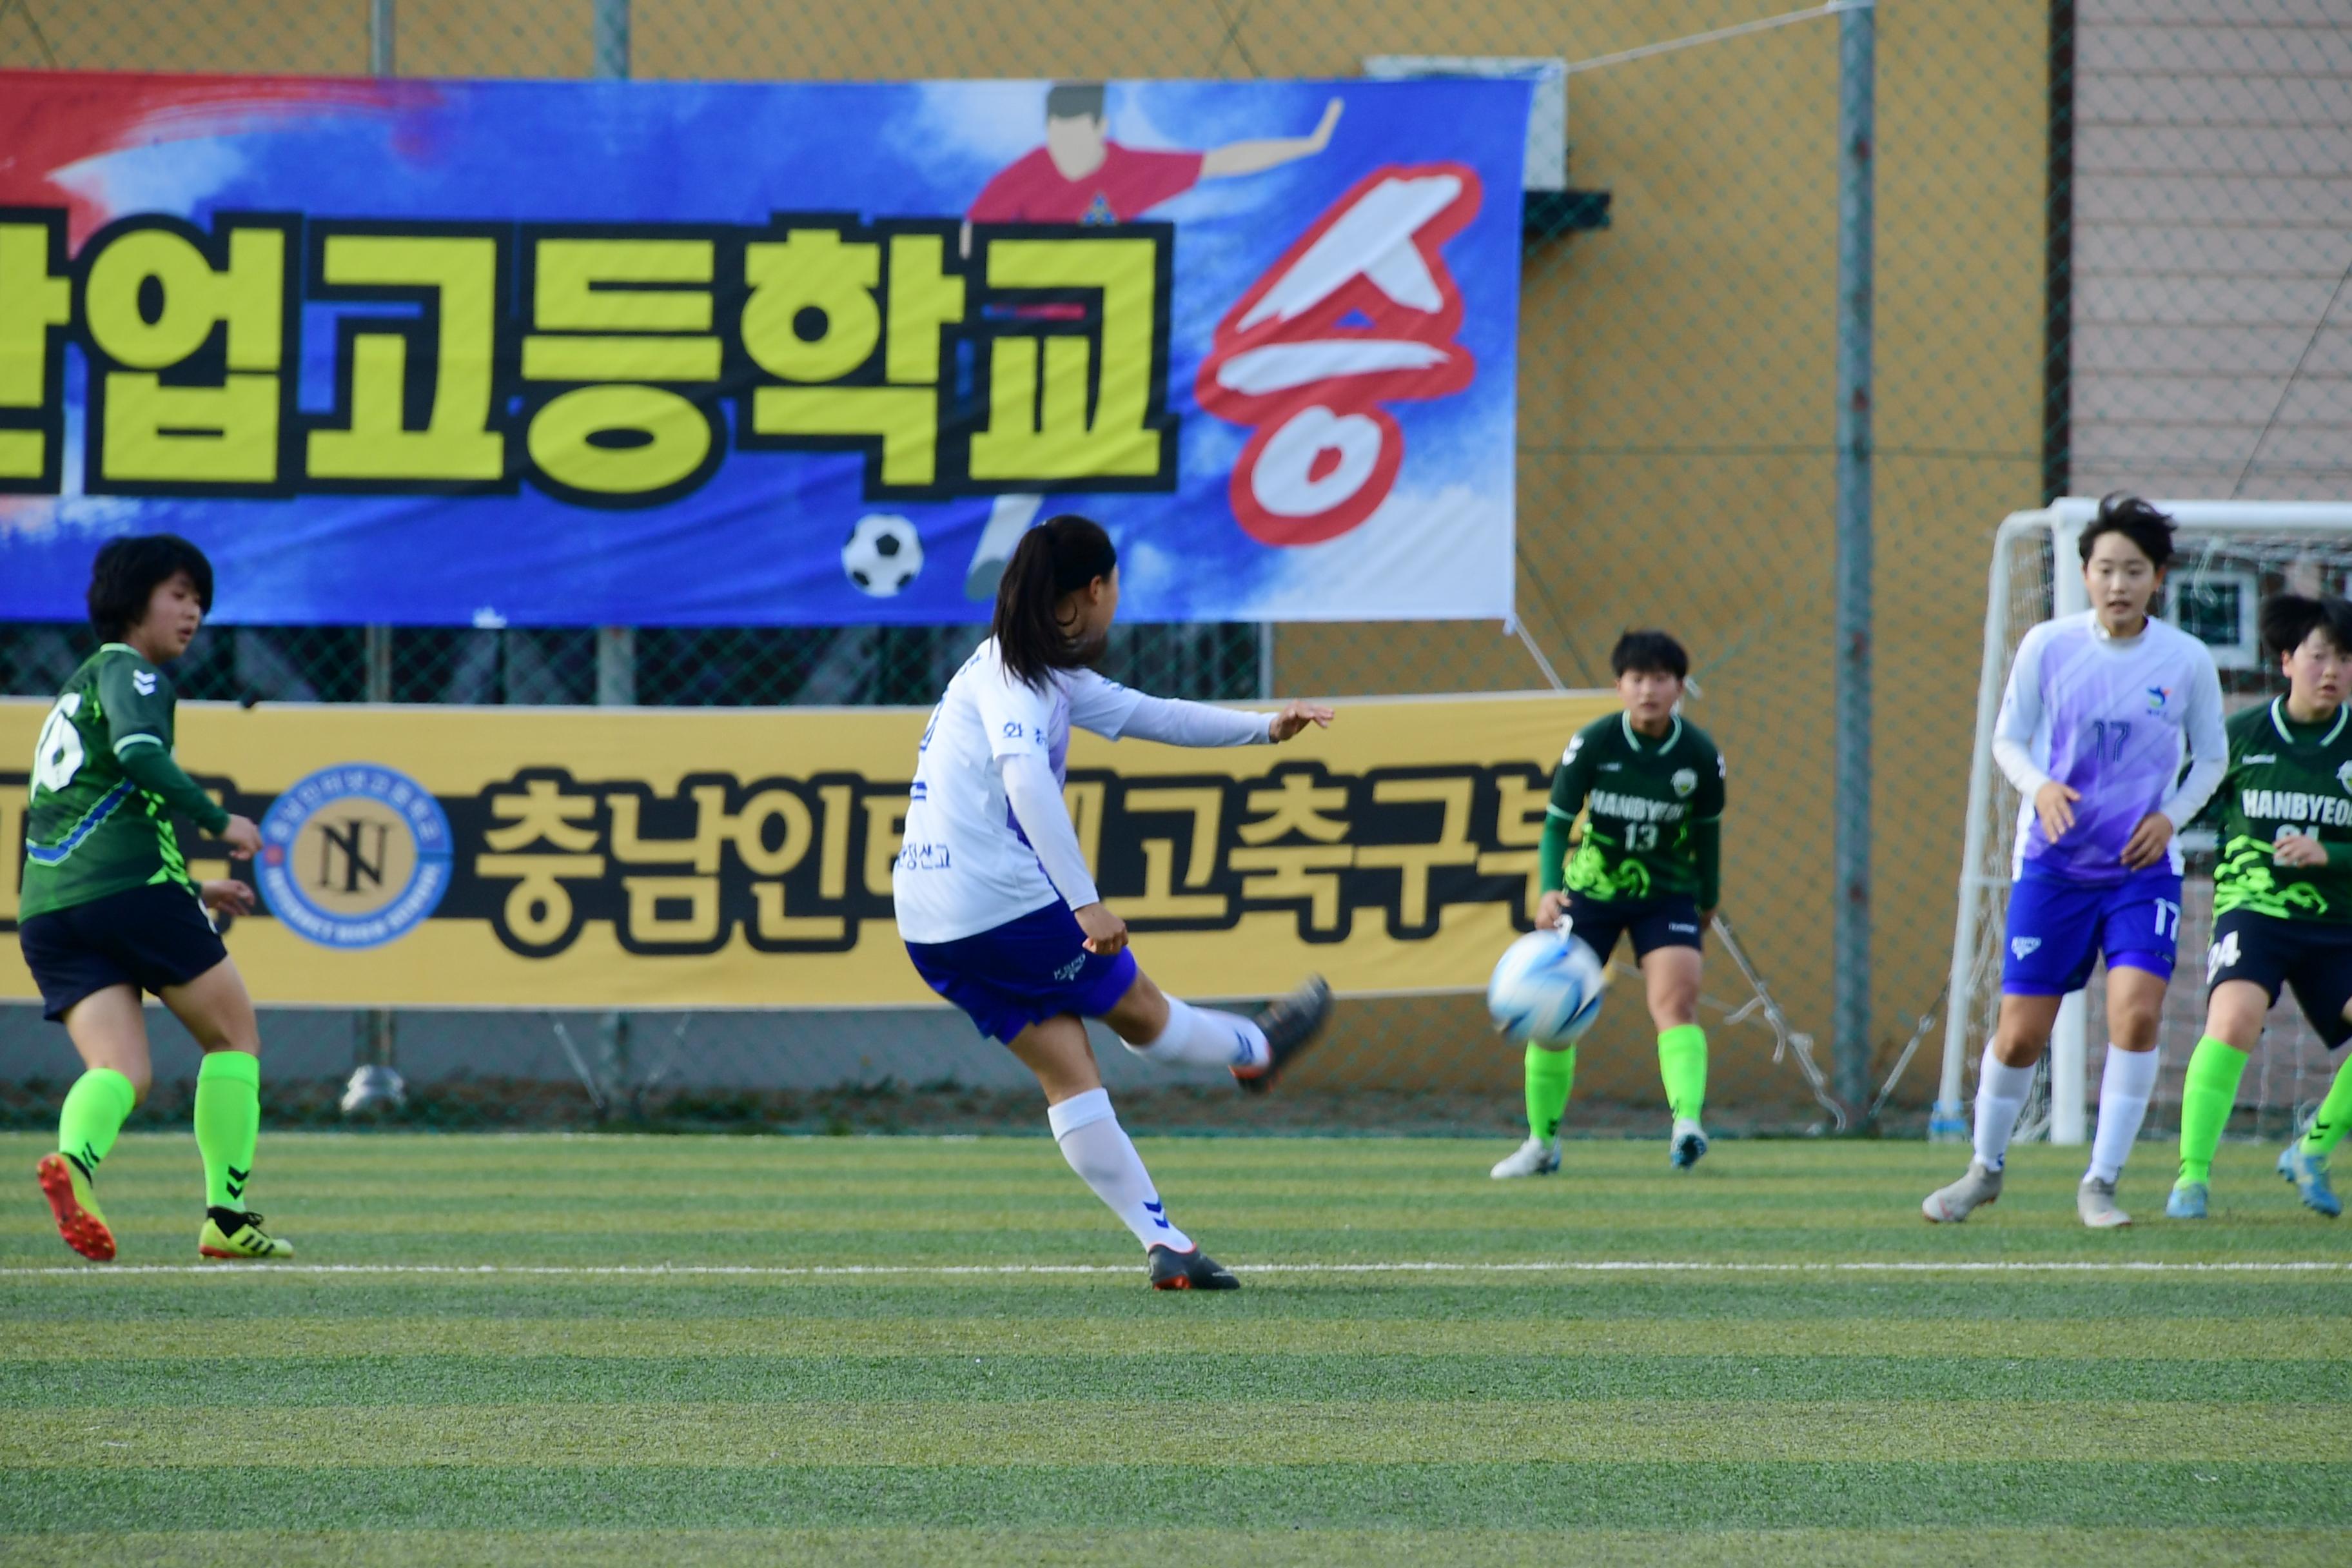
[882,555]
[1546,988]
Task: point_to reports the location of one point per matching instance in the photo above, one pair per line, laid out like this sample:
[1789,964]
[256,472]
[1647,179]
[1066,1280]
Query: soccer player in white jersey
[994,899]
[2092,730]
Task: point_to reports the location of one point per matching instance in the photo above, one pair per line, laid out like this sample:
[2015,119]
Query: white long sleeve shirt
[988,840]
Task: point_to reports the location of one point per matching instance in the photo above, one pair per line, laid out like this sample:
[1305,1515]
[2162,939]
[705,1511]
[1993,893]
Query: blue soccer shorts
[2058,929]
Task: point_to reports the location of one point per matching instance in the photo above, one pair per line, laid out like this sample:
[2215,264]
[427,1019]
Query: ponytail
[1059,556]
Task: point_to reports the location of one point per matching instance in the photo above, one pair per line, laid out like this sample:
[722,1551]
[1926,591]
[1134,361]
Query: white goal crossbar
[2060,525]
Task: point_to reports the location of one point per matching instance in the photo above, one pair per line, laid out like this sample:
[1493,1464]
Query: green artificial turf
[590,1351]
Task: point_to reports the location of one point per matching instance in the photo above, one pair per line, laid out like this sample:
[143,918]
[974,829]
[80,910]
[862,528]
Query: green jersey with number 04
[104,786]
[1656,804]
[2285,778]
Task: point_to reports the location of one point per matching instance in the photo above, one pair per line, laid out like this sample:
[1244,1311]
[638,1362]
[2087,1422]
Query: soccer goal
[2230,554]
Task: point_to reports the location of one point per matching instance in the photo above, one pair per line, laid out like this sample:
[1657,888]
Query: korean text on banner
[671,354]
[553,857]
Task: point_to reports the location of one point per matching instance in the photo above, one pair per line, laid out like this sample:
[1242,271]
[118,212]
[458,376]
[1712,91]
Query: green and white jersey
[1655,803]
[91,828]
[2283,778]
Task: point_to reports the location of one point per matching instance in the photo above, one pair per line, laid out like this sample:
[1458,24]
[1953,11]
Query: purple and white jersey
[2108,717]
[965,866]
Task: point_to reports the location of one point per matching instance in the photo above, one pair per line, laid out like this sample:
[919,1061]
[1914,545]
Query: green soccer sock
[1681,1065]
[2335,1118]
[95,1110]
[228,1120]
[2207,1096]
[1550,1074]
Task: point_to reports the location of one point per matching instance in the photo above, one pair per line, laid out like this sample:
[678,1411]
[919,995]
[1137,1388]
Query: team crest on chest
[1685,780]
[2344,778]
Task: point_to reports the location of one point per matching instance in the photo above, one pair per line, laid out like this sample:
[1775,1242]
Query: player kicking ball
[109,909]
[2282,897]
[2091,728]
[1649,867]
[994,900]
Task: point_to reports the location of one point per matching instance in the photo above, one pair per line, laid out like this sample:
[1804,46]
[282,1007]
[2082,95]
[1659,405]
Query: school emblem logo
[2157,698]
[2024,946]
[354,856]
[1685,780]
[2344,778]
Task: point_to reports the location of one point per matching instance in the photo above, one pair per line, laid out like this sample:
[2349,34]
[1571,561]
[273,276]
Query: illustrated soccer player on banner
[996,904]
[1649,867]
[2282,897]
[109,909]
[1081,176]
[2099,708]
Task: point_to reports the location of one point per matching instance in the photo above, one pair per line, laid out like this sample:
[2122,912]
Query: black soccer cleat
[1291,1023]
[1193,1270]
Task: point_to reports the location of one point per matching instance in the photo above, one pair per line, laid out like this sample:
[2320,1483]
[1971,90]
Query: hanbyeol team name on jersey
[89,830]
[1645,797]
[2286,778]
[2295,806]
[1631,808]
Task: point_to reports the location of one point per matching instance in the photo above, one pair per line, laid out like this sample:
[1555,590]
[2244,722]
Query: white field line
[858,1270]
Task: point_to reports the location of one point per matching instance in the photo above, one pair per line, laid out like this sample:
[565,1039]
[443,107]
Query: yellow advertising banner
[710,857]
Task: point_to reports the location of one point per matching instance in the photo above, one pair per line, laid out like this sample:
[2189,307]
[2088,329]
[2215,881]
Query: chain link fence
[2108,244]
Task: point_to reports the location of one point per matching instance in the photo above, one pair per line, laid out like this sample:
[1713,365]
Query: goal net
[2230,554]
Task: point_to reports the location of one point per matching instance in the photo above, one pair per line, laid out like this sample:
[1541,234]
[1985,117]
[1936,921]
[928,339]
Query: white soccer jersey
[2110,718]
[965,866]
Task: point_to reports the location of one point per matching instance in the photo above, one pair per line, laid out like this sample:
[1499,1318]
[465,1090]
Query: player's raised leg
[217,1011]
[1162,1028]
[111,1036]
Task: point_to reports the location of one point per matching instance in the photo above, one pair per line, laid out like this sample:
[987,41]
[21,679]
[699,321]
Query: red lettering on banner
[1360,311]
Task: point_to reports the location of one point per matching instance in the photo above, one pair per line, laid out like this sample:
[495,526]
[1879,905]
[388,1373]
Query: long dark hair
[1060,555]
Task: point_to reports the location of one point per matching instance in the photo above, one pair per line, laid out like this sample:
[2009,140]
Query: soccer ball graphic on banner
[1547,988]
[882,555]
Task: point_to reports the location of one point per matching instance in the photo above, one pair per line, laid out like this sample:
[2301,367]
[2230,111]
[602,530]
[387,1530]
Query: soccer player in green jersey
[108,911]
[1648,866]
[2281,896]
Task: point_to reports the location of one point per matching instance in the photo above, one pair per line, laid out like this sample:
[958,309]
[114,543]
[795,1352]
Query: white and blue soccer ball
[1546,988]
[882,555]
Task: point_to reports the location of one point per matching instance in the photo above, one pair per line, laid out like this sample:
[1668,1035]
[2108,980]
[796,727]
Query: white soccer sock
[1202,1037]
[2124,1087]
[2000,1095]
[1098,1151]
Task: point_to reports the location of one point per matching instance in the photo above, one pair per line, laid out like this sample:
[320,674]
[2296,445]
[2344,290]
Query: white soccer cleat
[1536,1157]
[1687,1147]
[1949,1206]
[2094,1200]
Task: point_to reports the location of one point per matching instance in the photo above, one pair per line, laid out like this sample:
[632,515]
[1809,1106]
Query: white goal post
[2229,554]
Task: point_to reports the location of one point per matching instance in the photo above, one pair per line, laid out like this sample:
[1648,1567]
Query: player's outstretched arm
[1269,153]
[1172,722]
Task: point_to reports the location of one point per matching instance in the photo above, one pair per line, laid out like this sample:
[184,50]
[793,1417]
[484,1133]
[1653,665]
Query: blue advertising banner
[568,354]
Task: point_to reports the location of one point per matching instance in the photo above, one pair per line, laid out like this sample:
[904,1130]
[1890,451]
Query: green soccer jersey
[2287,777]
[1656,803]
[104,786]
